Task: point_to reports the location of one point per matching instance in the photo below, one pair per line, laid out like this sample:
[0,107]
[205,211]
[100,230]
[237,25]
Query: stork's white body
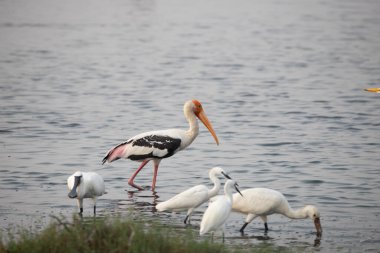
[157,145]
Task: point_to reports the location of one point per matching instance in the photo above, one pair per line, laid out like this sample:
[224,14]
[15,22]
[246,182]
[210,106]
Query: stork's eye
[198,107]
[315,216]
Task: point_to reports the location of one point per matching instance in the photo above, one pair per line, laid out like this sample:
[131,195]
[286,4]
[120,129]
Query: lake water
[281,81]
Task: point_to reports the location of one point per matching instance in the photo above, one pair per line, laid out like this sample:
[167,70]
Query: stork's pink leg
[156,163]
[130,181]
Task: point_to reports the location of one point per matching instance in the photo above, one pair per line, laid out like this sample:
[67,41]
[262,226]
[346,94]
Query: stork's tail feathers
[115,153]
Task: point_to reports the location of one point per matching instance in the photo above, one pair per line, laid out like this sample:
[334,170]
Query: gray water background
[281,81]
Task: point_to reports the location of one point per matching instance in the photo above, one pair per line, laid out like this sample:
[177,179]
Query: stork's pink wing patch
[116,153]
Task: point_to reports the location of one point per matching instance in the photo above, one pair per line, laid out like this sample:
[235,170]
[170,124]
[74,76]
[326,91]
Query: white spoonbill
[157,145]
[218,211]
[192,198]
[261,202]
[376,90]
[85,185]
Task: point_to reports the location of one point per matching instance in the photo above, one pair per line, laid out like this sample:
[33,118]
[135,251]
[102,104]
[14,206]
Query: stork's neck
[193,124]
[193,131]
[216,188]
[295,214]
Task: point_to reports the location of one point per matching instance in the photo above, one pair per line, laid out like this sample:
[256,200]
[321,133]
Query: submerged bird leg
[80,205]
[243,227]
[156,163]
[94,200]
[189,212]
[130,181]
[265,220]
[186,219]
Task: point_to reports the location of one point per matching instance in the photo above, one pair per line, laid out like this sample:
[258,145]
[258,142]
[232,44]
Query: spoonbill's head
[197,108]
[313,213]
[376,90]
[219,171]
[77,179]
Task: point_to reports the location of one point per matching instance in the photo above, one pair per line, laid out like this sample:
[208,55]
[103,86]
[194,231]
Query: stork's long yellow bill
[202,117]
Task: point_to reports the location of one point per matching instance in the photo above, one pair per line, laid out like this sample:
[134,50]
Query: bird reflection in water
[145,201]
[265,237]
[317,240]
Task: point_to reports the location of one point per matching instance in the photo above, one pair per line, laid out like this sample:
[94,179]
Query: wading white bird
[192,198]
[85,185]
[376,90]
[157,145]
[218,211]
[261,202]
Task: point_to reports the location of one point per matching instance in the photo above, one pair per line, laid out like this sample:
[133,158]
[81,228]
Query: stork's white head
[196,108]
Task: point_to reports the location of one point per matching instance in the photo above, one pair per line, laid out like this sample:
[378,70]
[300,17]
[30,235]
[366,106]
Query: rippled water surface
[281,81]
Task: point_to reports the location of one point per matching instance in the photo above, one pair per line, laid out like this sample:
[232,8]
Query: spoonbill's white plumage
[218,211]
[157,145]
[376,90]
[192,198]
[261,202]
[85,185]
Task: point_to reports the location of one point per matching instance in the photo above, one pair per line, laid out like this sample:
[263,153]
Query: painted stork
[195,196]
[261,202]
[218,211]
[376,90]
[157,145]
[85,185]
